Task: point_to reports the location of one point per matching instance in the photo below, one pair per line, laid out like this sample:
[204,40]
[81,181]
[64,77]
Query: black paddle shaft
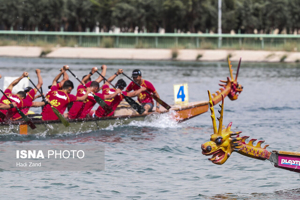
[77,78]
[164,104]
[140,109]
[41,93]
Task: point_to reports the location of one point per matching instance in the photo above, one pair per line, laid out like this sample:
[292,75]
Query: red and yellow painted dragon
[230,87]
[224,141]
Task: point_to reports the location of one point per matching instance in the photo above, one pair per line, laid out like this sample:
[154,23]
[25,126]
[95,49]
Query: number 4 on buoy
[181,95]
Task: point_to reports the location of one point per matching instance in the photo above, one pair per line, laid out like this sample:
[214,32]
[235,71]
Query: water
[159,159]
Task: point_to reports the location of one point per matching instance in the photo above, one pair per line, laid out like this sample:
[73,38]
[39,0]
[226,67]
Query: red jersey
[21,103]
[143,97]
[57,85]
[78,106]
[29,97]
[90,104]
[60,100]
[113,103]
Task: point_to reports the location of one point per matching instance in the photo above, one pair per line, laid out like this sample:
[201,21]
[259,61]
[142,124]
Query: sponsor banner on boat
[289,161]
[78,157]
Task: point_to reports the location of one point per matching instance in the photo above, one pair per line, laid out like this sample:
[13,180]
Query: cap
[27,89]
[136,73]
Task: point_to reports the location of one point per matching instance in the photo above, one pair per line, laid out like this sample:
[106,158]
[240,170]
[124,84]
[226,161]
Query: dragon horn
[259,143]
[238,69]
[251,142]
[230,68]
[244,139]
[213,118]
[221,116]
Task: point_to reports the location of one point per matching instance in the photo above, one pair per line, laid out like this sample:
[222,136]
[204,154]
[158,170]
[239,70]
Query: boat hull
[179,113]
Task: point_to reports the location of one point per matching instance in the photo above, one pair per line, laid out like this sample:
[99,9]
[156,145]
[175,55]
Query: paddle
[161,102]
[100,101]
[140,109]
[56,112]
[24,117]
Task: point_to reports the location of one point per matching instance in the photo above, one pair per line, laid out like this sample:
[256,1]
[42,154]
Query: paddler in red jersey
[18,100]
[30,94]
[144,98]
[60,97]
[114,102]
[82,109]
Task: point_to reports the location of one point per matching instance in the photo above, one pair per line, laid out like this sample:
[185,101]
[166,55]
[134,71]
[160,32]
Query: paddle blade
[140,109]
[26,119]
[100,101]
[60,117]
[161,102]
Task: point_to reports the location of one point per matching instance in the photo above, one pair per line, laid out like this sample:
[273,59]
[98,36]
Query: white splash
[166,120]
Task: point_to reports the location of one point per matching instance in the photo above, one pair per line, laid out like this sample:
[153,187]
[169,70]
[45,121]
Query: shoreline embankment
[151,54]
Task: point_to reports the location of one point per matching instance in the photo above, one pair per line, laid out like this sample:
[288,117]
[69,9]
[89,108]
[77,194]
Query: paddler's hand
[103,67]
[94,69]
[120,71]
[143,89]
[0,76]
[37,71]
[25,74]
[66,67]
[88,90]
[118,91]
[46,101]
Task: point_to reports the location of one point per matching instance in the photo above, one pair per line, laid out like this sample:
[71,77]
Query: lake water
[159,159]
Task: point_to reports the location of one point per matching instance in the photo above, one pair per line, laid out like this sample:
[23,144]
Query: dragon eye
[219,140]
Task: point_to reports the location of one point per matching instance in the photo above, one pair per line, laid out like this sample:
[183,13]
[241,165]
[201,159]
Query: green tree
[80,14]
[53,15]
[10,13]
[173,13]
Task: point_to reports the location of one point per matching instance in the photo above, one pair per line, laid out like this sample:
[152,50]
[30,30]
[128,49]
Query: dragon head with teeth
[223,142]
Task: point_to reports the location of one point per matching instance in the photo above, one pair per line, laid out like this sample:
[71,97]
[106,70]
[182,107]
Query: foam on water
[165,120]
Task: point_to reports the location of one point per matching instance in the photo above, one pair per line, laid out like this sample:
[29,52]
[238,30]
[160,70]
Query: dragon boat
[223,142]
[125,114]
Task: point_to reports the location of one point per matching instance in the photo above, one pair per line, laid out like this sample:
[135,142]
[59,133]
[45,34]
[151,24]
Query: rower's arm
[4,106]
[103,73]
[137,92]
[88,90]
[40,80]
[37,104]
[54,82]
[37,96]
[65,78]
[15,82]
[110,79]
[87,77]
[110,96]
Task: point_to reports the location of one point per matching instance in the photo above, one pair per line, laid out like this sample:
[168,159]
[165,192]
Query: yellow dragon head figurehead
[235,87]
[223,142]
